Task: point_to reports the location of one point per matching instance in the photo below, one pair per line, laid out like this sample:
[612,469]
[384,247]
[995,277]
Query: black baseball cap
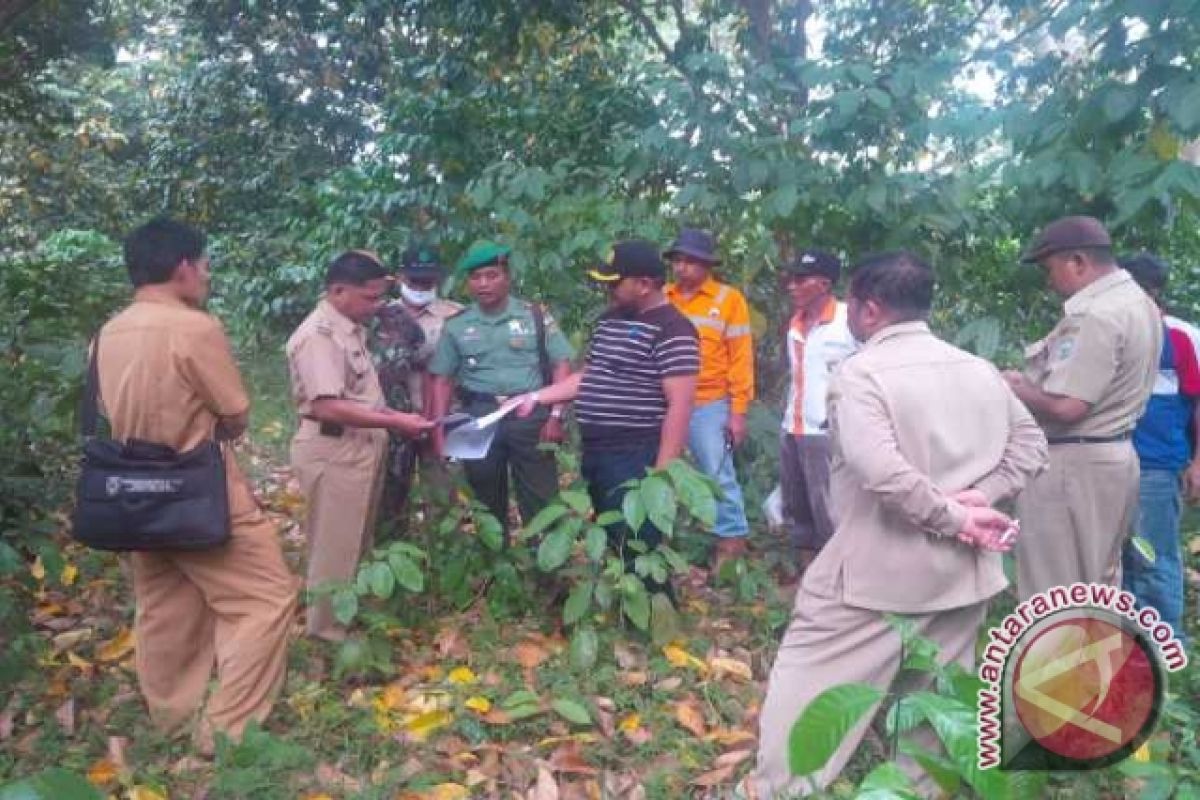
[421,262]
[814,262]
[1149,271]
[633,258]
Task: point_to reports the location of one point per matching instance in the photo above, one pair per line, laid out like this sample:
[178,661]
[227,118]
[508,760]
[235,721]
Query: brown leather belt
[331,429]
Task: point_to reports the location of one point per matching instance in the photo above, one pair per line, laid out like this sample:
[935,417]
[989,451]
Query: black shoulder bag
[140,495]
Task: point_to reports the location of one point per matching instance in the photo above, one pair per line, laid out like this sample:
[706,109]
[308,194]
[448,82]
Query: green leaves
[1181,101]
[658,498]
[572,711]
[554,550]
[578,602]
[53,784]
[825,722]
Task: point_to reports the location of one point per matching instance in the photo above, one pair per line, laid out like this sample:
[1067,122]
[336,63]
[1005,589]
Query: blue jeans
[706,441]
[1159,584]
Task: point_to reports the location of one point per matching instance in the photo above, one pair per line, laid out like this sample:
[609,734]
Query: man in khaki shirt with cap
[167,375]
[1087,383]
[339,448]
[924,437]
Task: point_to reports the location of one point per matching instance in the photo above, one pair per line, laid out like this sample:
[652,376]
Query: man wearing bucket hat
[406,334]
[499,347]
[725,386]
[1087,384]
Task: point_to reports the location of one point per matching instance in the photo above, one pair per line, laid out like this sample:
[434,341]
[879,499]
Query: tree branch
[11,9]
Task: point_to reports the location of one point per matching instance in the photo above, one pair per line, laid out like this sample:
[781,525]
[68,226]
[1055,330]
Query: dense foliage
[293,129]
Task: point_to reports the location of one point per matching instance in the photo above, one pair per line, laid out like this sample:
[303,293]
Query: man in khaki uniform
[167,375]
[338,450]
[924,438]
[406,336]
[1087,383]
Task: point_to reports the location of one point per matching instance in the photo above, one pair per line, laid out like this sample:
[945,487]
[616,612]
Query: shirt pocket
[358,367]
[522,342]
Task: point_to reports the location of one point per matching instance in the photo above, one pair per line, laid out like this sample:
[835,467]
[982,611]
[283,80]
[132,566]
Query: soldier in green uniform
[489,353]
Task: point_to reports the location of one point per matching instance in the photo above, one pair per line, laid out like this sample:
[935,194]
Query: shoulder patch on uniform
[1063,348]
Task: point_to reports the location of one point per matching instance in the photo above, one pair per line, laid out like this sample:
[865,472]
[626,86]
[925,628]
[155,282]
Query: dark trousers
[605,471]
[534,471]
[804,483]
[405,458]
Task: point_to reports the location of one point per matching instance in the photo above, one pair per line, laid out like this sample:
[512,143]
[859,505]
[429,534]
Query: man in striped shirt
[633,399]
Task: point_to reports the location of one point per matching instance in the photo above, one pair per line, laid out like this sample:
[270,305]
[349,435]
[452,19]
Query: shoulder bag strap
[539,326]
[88,412]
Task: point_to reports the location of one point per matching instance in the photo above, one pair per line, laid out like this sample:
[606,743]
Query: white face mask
[417,298]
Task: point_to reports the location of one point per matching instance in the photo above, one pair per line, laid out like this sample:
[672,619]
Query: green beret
[482,254]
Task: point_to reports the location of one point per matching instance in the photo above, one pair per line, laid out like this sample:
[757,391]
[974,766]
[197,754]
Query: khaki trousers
[231,607]
[341,478]
[1075,517]
[829,643]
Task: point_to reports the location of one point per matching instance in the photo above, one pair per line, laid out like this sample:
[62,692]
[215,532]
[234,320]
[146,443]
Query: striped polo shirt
[621,400]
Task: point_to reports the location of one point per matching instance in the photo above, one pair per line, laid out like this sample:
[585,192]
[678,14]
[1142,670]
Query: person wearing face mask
[338,451]
[406,335]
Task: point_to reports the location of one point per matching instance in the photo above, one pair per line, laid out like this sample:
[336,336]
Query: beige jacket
[914,420]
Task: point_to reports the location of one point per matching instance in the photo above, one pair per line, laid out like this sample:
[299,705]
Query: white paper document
[469,438]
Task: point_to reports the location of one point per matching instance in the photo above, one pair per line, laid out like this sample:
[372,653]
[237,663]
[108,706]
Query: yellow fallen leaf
[1142,753]
[732,667]
[435,700]
[682,658]
[422,725]
[51,609]
[317,796]
[432,672]
[583,737]
[38,569]
[145,793]
[102,773]
[478,703]
[728,736]
[392,697]
[116,648]
[630,723]
[690,718]
[443,791]
[69,573]
[81,663]
[461,675]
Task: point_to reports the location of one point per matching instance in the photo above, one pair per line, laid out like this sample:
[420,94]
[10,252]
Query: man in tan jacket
[925,439]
